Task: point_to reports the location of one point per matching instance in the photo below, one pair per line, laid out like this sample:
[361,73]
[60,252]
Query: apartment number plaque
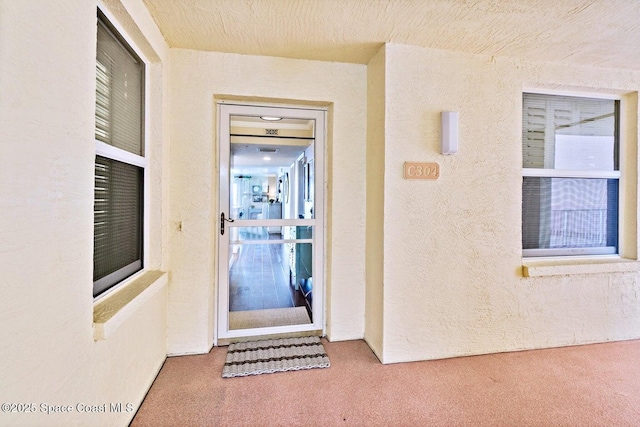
[416,170]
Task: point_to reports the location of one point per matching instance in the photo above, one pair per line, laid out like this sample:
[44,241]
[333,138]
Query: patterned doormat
[269,356]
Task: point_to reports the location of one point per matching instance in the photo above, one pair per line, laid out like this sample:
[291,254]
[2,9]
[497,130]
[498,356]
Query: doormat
[269,356]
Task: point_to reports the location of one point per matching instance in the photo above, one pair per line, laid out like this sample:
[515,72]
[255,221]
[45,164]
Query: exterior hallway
[591,385]
[423,267]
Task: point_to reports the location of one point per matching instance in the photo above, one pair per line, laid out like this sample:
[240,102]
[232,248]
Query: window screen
[119,77]
[117,221]
[570,175]
[118,197]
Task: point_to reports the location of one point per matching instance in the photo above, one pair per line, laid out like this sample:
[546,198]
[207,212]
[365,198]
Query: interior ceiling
[603,33]
[263,156]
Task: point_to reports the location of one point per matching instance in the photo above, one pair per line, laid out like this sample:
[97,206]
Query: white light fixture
[449,134]
[270,118]
[267,158]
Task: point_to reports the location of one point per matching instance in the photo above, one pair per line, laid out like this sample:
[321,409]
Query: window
[570,160]
[120,162]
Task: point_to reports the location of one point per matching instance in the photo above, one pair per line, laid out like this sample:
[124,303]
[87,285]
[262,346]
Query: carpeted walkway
[594,385]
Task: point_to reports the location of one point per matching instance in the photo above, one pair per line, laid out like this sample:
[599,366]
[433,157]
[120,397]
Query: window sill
[587,265]
[109,313]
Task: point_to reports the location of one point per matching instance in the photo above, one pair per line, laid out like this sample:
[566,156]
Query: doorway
[271,225]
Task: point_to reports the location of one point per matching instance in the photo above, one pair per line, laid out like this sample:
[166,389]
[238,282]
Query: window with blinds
[570,187]
[119,165]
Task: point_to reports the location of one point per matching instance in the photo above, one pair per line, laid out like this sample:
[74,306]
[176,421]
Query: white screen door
[271,224]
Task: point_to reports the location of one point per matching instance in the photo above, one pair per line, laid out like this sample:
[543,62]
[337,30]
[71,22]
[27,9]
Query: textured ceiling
[604,33]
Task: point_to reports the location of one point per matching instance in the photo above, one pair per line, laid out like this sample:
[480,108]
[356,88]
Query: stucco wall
[376,103]
[452,252]
[48,354]
[196,77]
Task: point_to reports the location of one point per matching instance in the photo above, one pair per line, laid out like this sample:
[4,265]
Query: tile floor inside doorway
[259,279]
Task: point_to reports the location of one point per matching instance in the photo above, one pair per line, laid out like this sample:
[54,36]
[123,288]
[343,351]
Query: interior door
[271,220]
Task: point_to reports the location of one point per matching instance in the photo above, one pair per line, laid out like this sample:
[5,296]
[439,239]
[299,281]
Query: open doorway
[271,224]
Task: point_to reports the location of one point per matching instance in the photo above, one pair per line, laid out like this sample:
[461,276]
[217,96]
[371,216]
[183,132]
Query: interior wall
[196,77]
[48,355]
[453,283]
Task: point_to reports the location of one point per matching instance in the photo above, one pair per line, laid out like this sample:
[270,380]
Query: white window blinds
[118,196]
[570,175]
[119,78]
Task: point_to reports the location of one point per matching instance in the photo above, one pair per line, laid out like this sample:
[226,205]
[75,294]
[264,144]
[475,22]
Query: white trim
[117,287]
[224,141]
[563,173]
[271,222]
[117,276]
[574,94]
[115,153]
[320,233]
[267,124]
[225,110]
[627,193]
[268,242]
[555,252]
[146,184]
[597,174]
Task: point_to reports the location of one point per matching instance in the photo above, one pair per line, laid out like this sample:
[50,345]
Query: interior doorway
[271,225]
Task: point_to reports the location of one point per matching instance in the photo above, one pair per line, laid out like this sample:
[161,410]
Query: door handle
[222,221]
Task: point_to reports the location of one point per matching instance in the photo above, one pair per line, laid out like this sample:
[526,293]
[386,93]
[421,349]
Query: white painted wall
[452,252]
[196,77]
[376,104]
[48,354]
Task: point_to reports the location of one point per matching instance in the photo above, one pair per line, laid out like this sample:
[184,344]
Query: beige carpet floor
[267,318]
[592,385]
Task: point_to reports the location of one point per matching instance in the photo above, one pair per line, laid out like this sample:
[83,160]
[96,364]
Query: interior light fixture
[270,118]
[267,158]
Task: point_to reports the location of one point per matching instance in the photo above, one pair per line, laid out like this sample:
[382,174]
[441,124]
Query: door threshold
[226,341]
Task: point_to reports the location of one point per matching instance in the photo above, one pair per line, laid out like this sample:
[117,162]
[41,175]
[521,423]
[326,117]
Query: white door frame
[225,110]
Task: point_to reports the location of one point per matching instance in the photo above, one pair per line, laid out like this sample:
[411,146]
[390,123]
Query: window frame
[581,252]
[111,152]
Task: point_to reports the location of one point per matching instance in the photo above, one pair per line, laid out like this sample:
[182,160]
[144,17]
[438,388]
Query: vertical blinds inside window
[119,93]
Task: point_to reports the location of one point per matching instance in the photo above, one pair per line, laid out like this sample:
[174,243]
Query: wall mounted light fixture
[449,134]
